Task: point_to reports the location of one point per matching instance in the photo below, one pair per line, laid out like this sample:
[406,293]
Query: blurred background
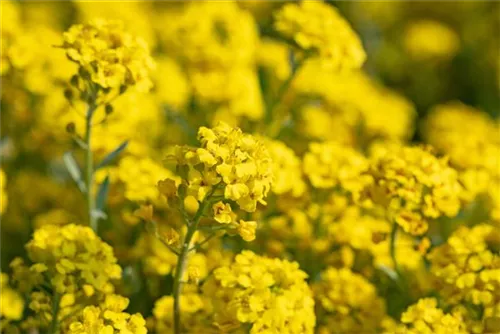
[425,54]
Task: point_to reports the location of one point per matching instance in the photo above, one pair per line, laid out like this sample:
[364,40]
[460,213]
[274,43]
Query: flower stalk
[182,261]
[89,168]
[54,324]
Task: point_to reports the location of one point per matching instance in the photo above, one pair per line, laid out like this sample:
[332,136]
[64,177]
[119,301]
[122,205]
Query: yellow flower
[287,171]
[171,85]
[330,164]
[112,57]
[444,43]
[413,186]
[11,302]
[209,35]
[467,135]
[347,302]
[318,27]
[470,138]
[246,229]
[467,269]
[194,314]
[223,213]
[235,163]
[155,256]
[232,93]
[108,318]
[424,317]
[74,256]
[274,57]
[261,294]
[139,177]
[343,116]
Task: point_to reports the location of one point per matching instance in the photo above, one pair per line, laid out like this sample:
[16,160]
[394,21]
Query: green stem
[54,325]
[275,126]
[89,169]
[182,264]
[392,250]
[207,239]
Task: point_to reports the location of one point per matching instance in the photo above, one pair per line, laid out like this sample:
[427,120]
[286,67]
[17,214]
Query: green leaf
[111,156]
[74,170]
[99,214]
[102,195]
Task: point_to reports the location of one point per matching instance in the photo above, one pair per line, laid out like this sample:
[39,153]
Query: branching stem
[89,168]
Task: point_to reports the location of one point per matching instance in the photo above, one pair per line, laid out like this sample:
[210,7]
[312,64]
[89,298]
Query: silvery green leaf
[102,194]
[74,170]
[99,214]
[111,156]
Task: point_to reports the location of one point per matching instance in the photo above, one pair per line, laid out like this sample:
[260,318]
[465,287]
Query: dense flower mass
[424,317]
[109,318]
[74,257]
[136,179]
[240,167]
[267,294]
[445,44]
[343,116]
[415,186]
[347,302]
[453,123]
[234,163]
[210,35]
[110,56]
[11,302]
[318,27]
[286,166]
[467,269]
[330,164]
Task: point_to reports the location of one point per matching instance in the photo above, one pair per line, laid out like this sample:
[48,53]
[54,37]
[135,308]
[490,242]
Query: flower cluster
[71,267]
[11,303]
[425,317]
[467,135]
[286,166]
[467,268]
[445,44]
[211,36]
[217,43]
[266,294]
[236,163]
[249,167]
[346,302]
[330,164]
[75,259]
[231,166]
[195,318]
[414,186]
[319,28]
[111,57]
[470,138]
[108,318]
[135,179]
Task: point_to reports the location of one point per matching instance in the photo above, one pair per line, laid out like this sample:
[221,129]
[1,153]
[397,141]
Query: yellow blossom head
[425,317]
[347,302]
[229,162]
[428,39]
[413,186]
[262,294]
[73,255]
[318,27]
[110,56]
